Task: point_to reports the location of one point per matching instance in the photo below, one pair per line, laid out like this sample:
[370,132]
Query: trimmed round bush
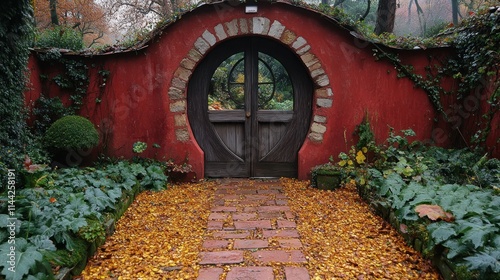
[71,132]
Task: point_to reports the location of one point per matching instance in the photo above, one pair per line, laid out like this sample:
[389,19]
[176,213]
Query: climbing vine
[73,80]
[478,61]
[16,30]
[475,66]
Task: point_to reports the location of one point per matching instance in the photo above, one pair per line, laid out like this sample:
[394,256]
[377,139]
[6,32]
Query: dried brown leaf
[433,212]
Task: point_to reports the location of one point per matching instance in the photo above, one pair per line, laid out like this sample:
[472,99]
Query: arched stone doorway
[249,106]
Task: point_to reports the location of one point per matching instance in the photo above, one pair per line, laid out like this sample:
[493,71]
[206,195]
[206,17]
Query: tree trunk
[386,14]
[454,11]
[53,12]
[367,11]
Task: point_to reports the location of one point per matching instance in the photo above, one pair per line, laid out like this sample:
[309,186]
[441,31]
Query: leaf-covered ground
[344,240]
[158,237]
[161,235]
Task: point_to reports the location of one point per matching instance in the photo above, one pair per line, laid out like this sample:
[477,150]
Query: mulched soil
[228,229]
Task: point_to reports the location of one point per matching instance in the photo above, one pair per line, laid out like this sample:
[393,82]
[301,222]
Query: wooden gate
[249,106]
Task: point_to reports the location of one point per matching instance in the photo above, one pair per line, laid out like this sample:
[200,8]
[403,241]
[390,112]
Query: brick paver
[250,230]
[290,243]
[211,244]
[250,244]
[210,273]
[292,256]
[221,257]
[296,273]
[251,273]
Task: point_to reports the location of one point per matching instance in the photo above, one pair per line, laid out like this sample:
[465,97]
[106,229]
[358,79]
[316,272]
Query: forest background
[110,22]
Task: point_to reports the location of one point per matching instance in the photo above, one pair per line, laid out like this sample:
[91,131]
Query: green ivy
[477,62]
[474,67]
[16,33]
[74,80]
[47,111]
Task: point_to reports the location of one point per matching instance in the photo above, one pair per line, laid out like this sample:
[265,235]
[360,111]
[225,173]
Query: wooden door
[249,105]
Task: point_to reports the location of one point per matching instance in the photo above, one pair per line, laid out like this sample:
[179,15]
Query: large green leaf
[406,194]
[441,231]
[114,194]
[77,203]
[77,223]
[448,189]
[128,183]
[98,200]
[427,197]
[495,202]
[478,235]
[42,242]
[459,209]
[496,240]
[136,169]
[101,182]
[483,261]
[456,248]
[26,256]
[406,213]
[394,183]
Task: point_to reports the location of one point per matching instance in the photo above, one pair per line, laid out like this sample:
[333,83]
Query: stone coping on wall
[262,26]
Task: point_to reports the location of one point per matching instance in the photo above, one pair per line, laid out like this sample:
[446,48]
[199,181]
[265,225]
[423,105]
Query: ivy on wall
[477,64]
[475,68]
[74,79]
[16,31]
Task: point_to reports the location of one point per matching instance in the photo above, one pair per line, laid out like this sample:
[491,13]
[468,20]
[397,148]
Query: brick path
[251,234]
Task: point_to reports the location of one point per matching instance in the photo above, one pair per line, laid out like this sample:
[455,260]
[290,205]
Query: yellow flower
[349,162]
[342,162]
[364,149]
[360,157]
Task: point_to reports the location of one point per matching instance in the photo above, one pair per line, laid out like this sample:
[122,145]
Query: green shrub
[71,132]
[61,37]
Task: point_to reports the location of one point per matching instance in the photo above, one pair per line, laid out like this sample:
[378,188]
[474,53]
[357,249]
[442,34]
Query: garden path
[251,225]
[254,229]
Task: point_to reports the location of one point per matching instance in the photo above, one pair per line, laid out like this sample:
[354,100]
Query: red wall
[135,102]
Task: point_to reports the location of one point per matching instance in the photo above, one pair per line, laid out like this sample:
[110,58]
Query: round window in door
[249,105]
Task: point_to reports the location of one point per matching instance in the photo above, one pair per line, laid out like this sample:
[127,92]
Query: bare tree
[367,11]
[420,12]
[53,12]
[454,11]
[386,14]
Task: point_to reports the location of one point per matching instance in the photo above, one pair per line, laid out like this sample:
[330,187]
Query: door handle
[248,114]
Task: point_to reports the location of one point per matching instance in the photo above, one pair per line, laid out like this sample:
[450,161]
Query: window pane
[275,91]
[227,85]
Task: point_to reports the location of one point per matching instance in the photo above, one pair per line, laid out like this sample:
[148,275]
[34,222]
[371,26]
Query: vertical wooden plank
[232,136]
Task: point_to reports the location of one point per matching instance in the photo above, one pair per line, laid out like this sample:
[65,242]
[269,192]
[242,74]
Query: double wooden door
[249,106]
